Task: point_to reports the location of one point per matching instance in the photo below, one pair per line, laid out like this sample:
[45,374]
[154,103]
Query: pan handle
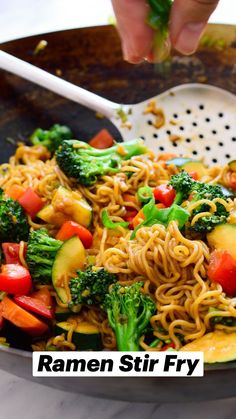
[57,85]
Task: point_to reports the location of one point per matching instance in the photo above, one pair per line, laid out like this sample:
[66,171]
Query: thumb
[188,21]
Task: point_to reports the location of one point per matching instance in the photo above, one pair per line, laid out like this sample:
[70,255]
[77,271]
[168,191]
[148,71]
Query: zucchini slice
[223,237]
[50,216]
[72,205]
[217,346]
[85,337]
[179,161]
[62,313]
[189,165]
[195,166]
[69,258]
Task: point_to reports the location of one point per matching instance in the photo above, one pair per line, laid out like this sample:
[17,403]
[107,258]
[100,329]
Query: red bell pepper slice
[15,279]
[44,296]
[164,194]
[31,202]
[34,305]
[71,228]
[222,269]
[194,175]
[103,139]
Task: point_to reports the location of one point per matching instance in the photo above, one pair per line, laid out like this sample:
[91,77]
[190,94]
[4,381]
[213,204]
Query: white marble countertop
[27,400]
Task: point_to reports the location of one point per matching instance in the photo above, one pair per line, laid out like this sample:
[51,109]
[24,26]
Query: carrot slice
[15,191]
[21,318]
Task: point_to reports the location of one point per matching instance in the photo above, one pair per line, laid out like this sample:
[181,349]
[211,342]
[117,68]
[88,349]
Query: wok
[91,58]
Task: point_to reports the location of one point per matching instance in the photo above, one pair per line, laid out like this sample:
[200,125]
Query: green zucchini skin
[86,337]
[70,257]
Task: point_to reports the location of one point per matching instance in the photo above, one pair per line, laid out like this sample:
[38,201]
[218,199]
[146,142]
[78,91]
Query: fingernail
[188,39]
[129,56]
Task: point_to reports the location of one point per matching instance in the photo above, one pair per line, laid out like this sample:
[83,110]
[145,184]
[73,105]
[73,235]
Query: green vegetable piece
[164,216]
[184,185]
[129,312]
[52,138]
[86,164]
[158,20]
[90,286]
[40,255]
[108,223]
[14,225]
[144,194]
[210,192]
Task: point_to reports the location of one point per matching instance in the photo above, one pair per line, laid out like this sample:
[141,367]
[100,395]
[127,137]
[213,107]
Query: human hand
[188,20]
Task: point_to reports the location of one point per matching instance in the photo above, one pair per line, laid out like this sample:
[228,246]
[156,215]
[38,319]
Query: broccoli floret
[90,286]
[40,255]
[208,191]
[14,225]
[182,184]
[84,163]
[129,312]
[52,138]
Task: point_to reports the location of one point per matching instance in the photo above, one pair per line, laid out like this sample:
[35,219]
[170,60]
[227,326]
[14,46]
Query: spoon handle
[57,85]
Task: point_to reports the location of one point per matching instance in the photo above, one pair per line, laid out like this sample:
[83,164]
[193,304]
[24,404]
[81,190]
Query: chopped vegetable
[86,164]
[34,305]
[40,255]
[154,215]
[233,180]
[15,279]
[31,202]
[108,223]
[222,269]
[70,229]
[69,258]
[103,139]
[158,19]
[72,205]
[52,138]
[216,346]
[165,194]
[14,225]
[129,312]
[90,286]
[223,237]
[15,192]
[86,336]
[144,194]
[22,319]
[138,219]
[43,295]
[184,185]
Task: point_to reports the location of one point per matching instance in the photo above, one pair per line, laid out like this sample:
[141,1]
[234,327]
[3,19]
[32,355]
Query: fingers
[188,21]
[136,36]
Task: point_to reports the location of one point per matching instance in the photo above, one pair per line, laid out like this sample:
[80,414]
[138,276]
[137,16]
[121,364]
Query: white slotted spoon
[200,120]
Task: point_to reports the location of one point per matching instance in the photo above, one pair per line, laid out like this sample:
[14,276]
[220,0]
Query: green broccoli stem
[125,336]
[126,150]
